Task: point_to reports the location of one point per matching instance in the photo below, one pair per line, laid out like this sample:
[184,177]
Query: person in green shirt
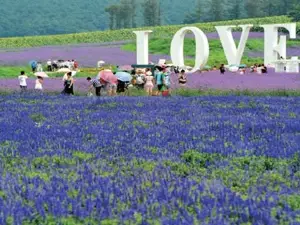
[160,80]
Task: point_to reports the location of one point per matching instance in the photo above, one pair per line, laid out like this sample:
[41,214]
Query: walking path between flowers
[213,80]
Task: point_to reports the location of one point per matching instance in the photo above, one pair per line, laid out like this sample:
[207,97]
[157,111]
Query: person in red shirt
[75,65]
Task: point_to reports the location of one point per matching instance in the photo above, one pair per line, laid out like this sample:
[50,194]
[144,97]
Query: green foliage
[152,13]
[14,71]
[127,34]
[295,13]
[37,117]
[294,202]
[217,56]
[59,17]
[200,159]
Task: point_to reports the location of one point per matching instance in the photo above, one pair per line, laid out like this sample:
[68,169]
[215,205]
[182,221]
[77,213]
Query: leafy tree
[194,17]
[60,17]
[271,7]
[295,12]
[112,11]
[133,13]
[254,9]
[216,10]
[235,10]
[151,12]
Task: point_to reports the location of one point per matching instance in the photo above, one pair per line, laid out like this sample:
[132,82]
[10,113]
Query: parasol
[64,70]
[41,74]
[126,68]
[123,76]
[107,76]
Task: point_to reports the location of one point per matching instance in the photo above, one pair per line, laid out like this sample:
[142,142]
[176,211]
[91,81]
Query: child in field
[182,78]
[149,82]
[39,83]
[22,80]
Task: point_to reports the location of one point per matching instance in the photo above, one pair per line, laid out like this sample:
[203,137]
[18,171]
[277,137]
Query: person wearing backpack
[140,79]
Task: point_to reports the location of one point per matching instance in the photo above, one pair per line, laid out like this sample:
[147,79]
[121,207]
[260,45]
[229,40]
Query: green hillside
[27,17]
[127,34]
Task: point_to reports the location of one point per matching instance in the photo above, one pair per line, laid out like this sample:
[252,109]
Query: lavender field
[86,54]
[171,161]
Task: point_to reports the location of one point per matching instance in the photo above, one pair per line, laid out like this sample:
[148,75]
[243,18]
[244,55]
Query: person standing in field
[222,69]
[49,65]
[112,88]
[22,79]
[149,82]
[39,67]
[75,65]
[140,79]
[33,66]
[39,83]
[69,84]
[167,75]
[95,84]
[160,80]
[182,78]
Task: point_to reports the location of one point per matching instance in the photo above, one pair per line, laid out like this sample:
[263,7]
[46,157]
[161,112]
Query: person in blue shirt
[33,66]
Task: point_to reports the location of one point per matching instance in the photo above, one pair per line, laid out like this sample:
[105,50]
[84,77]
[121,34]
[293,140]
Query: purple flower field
[207,160]
[211,80]
[86,54]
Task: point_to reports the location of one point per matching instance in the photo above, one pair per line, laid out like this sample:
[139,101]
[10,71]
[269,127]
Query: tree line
[123,14]
[72,16]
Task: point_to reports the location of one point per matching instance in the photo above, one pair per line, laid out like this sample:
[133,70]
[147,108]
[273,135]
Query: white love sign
[273,48]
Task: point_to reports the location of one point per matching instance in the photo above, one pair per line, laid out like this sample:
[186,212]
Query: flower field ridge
[198,160]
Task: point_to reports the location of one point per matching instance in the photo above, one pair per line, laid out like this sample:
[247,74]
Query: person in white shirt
[39,67]
[22,78]
[259,69]
[39,83]
[49,65]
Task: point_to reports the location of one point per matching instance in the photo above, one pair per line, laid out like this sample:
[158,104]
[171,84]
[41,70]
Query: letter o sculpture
[202,48]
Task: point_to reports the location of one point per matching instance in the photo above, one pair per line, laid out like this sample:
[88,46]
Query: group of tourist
[141,79]
[258,68]
[53,65]
[23,82]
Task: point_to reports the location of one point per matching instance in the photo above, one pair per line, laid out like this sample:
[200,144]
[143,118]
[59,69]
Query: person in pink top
[112,88]
[149,82]
[112,84]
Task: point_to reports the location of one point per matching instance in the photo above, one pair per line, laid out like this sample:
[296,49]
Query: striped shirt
[96,83]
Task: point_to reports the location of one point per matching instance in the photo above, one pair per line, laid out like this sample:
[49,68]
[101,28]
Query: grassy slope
[162,46]
[13,72]
[127,34]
